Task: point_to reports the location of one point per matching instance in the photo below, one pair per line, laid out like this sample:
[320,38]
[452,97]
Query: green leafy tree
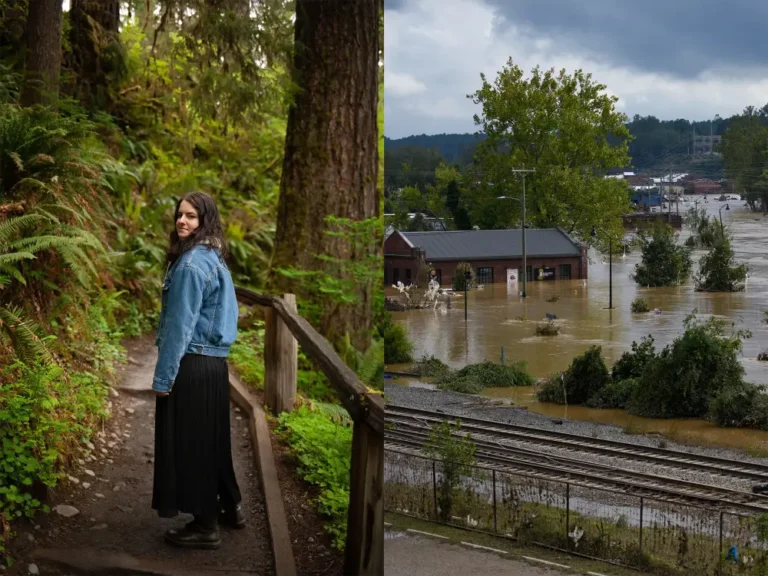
[664,262]
[718,269]
[561,125]
[456,454]
[745,149]
[459,279]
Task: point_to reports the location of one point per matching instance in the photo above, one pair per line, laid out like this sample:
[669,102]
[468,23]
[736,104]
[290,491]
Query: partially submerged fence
[285,330]
[612,526]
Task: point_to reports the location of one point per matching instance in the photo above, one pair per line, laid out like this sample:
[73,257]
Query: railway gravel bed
[457,405]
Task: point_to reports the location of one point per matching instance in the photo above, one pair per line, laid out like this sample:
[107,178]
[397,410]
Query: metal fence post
[567,514]
[720,555]
[495,529]
[641,525]
[434,487]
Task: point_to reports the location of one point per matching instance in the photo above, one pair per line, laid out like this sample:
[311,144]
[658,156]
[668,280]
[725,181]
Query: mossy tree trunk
[95,49]
[331,152]
[43,56]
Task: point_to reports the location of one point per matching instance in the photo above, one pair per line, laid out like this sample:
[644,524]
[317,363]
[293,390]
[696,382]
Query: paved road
[405,555]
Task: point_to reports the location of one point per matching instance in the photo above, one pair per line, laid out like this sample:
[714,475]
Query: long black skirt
[193,447]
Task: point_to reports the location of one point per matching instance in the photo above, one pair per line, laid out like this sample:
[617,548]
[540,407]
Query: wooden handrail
[364,551]
[361,404]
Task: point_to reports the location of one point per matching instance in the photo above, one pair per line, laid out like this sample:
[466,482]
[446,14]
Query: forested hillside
[111,111]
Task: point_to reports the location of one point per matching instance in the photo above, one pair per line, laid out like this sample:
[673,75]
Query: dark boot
[200,533]
[232,516]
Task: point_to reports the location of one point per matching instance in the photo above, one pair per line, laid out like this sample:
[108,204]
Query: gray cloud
[678,37]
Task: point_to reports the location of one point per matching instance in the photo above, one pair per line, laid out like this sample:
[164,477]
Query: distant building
[703,144]
[551,255]
[703,186]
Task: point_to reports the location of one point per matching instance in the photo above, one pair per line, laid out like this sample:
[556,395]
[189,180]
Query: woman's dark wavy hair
[209,228]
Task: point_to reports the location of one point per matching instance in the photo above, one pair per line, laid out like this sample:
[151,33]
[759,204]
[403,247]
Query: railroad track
[410,438]
[658,456]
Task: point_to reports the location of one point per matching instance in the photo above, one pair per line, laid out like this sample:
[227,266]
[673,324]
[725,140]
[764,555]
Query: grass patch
[431,367]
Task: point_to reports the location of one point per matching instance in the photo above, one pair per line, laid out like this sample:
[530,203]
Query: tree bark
[331,151]
[94,41]
[43,58]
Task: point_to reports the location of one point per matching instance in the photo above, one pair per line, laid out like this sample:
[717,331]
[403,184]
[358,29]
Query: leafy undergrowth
[319,437]
[473,378]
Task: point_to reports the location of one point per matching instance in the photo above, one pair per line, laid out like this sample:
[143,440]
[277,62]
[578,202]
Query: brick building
[551,254]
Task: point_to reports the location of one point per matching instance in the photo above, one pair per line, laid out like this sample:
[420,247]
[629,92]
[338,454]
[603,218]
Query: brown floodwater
[499,318]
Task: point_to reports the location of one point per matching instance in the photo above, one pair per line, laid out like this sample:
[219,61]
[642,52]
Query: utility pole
[524,171]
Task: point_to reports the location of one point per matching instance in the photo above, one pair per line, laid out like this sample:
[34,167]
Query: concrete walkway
[115,531]
[406,555]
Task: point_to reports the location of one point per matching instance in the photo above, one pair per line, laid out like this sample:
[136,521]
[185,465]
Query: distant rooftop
[493,244]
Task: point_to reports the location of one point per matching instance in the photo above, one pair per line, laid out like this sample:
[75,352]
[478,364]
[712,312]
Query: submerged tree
[718,270]
[664,261]
[331,155]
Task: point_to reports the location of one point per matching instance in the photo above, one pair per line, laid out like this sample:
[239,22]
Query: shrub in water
[744,406]
[586,375]
[664,261]
[719,271]
[429,366]
[632,363]
[548,329]
[615,394]
[551,389]
[682,380]
[640,305]
[458,276]
[397,348]
[473,378]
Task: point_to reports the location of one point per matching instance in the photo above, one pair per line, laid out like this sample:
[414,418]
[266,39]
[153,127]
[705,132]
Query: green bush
[615,394]
[632,363]
[430,367]
[664,261]
[586,375]
[322,448]
[475,377]
[682,380]
[458,276]
[718,269]
[744,406]
[397,348]
[639,305]
[551,389]
[547,329]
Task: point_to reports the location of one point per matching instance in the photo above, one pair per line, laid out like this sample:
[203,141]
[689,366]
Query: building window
[485,275]
[407,276]
[395,275]
[564,272]
[529,276]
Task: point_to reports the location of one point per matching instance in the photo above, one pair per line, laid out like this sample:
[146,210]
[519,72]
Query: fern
[26,336]
[335,412]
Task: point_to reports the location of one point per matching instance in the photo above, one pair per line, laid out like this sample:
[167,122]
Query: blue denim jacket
[198,315]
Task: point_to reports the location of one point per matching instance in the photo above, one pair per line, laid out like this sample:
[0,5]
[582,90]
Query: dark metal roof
[493,244]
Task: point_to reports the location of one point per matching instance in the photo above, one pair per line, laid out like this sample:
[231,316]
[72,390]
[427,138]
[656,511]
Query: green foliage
[615,394]
[586,376]
[475,377]
[639,306]
[704,229]
[459,279]
[683,379]
[456,454]
[321,447]
[566,128]
[744,149]
[632,363]
[547,329]
[664,261]
[744,406]
[430,367]
[247,355]
[718,269]
[397,348]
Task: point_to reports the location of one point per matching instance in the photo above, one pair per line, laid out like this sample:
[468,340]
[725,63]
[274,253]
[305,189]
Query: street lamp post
[593,234]
[523,171]
[727,207]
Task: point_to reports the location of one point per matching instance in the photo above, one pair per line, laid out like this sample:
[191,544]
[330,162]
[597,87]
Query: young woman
[198,324]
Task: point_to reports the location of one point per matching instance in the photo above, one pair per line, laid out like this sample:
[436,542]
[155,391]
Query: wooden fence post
[364,552]
[281,359]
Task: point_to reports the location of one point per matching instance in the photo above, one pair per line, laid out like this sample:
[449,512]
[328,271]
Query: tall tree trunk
[43,58]
[95,48]
[331,151]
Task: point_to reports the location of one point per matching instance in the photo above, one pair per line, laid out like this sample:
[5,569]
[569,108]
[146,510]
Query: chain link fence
[612,526]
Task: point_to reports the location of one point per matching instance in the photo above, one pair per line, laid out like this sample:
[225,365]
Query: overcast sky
[669,58]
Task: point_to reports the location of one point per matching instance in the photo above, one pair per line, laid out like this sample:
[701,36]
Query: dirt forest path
[115,531]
